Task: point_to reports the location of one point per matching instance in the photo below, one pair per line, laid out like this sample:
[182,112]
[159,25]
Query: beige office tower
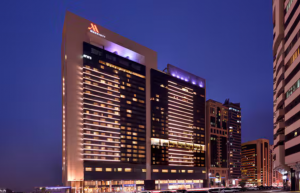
[256,162]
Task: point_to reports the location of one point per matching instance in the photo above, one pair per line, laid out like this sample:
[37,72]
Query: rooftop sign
[93,29]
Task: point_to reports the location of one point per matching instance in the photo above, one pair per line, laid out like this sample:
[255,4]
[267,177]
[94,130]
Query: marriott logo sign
[93,29]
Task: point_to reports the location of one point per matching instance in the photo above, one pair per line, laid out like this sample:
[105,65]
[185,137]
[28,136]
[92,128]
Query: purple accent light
[177,76]
[173,74]
[194,83]
[186,80]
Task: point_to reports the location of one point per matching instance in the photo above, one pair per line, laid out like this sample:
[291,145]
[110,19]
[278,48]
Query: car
[236,189]
[229,190]
[216,190]
[252,188]
[197,191]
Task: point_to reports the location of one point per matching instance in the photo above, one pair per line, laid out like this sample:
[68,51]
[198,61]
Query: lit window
[108,169]
[128,111]
[173,171]
[128,84]
[141,101]
[203,171]
[134,99]
[88,169]
[165,171]
[157,96]
[134,142]
[141,88]
[128,115]
[182,171]
[128,75]
[98,169]
[296,133]
[128,169]
[190,171]
[122,96]
[144,170]
[128,102]
[155,170]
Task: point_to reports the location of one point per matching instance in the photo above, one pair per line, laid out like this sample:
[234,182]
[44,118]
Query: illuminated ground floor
[132,185]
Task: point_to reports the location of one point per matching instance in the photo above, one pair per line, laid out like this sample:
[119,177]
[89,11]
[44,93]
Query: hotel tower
[126,125]
[286,92]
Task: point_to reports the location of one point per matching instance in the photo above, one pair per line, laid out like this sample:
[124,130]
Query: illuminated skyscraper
[126,125]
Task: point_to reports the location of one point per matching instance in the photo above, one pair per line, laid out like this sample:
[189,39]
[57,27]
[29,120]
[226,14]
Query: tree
[211,182]
[242,183]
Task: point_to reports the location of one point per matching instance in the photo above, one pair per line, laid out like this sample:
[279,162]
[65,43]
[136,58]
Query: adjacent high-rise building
[256,163]
[286,95]
[126,125]
[217,142]
[234,141]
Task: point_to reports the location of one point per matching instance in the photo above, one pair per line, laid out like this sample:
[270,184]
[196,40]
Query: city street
[258,191]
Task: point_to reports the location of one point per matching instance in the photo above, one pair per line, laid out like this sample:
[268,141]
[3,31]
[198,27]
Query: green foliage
[242,183]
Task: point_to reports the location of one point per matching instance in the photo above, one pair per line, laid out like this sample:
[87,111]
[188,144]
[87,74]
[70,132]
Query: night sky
[229,43]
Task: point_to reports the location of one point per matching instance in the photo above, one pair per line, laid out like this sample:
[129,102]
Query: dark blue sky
[229,43]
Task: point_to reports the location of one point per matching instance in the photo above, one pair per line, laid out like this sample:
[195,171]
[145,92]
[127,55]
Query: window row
[293,88]
[101,124]
[218,132]
[99,169]
[101,148]
[134,138]
[172,171]
[101,158]
[99,114]
[101,153]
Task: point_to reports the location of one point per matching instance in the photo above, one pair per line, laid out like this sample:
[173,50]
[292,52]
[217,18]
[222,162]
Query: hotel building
[256,163]
[217,142]
[127,126]
[286,95]
[234,141]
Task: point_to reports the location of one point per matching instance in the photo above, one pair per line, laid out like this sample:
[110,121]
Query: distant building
[256,163]
[234,141]
[217,138]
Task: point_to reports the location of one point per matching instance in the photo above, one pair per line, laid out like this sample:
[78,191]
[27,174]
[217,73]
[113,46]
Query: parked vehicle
[252,188]
[216,190]
[197,191]
[236,189]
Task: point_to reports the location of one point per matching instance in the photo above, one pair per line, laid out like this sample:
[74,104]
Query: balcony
[280,85]
[279,162]
[280,99]
[279,63]
[278,114]
[279,125]
[279,138]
